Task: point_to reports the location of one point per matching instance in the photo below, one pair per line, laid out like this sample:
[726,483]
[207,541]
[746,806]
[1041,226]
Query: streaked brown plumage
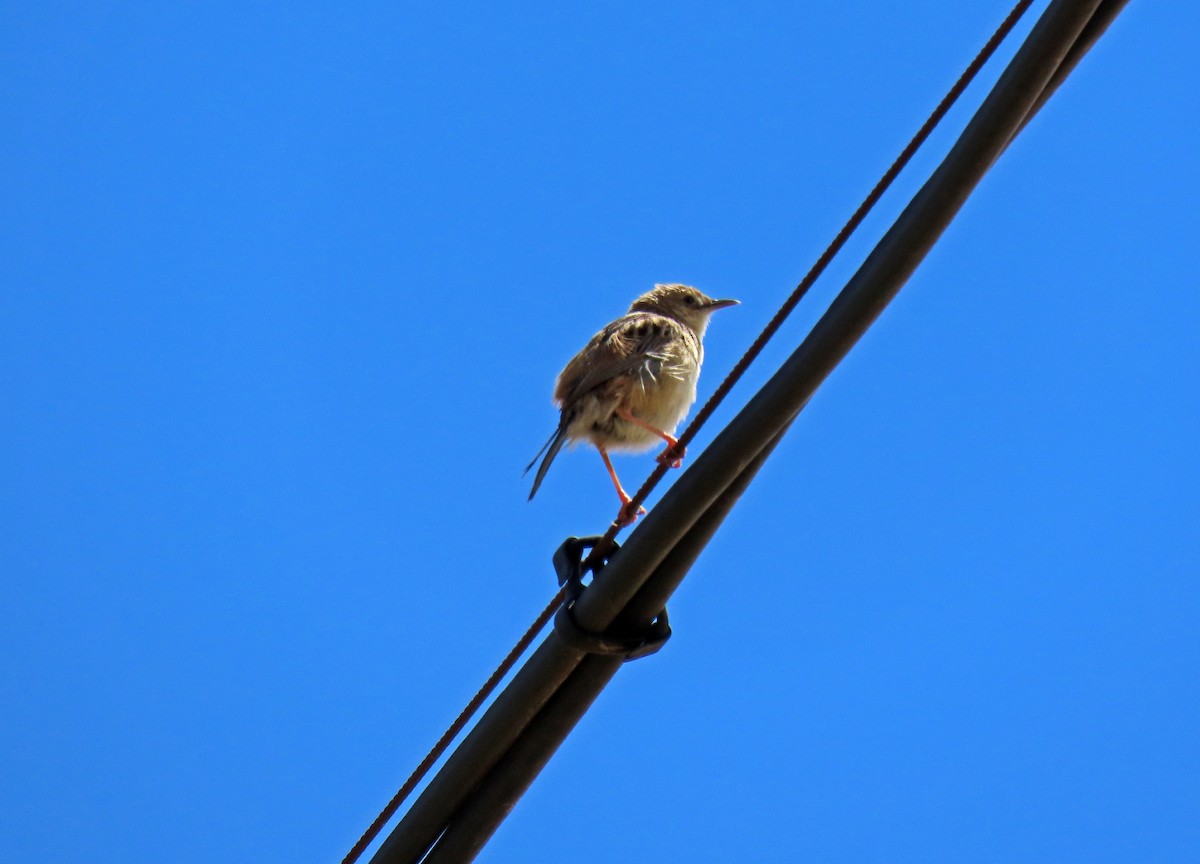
[635,380]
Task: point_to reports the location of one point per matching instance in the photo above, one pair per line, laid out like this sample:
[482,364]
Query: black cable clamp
[568,564]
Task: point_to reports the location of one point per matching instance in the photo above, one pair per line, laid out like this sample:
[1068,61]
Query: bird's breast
[663,394]
[659,390]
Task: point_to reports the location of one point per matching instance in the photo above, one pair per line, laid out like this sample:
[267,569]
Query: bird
[633,382]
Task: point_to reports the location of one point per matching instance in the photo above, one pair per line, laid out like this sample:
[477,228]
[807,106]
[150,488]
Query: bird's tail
[550,448]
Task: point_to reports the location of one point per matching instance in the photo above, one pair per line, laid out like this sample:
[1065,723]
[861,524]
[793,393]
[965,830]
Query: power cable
[698,421]
[467,800]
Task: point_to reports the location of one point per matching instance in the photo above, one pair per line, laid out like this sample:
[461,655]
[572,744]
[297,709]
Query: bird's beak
[720,304]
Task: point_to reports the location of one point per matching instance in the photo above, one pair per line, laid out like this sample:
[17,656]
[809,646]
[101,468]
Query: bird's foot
[672,457]
[627,515]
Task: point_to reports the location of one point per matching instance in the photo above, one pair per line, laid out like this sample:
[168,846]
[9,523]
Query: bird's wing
[628,343]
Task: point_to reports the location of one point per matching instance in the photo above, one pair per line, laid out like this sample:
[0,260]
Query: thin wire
[456,727]
[698,421]
[818,268]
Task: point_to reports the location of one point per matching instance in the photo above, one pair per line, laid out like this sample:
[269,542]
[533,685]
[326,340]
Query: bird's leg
[624,517]
[673,455]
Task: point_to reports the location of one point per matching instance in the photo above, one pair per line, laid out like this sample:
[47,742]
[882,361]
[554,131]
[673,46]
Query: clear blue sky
[283,291]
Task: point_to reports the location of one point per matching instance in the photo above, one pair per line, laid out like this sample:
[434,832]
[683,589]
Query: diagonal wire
[818,268]
[697,422]
[497,763]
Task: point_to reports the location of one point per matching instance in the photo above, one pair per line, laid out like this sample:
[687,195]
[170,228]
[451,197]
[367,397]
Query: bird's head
[685,304]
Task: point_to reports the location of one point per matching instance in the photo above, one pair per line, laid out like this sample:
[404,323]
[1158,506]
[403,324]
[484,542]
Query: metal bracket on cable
[568,564]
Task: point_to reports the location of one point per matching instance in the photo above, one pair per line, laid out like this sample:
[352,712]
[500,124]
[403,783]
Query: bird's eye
[690,300]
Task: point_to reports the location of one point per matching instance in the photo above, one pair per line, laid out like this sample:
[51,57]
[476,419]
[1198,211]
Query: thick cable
[486,799]
[701,417]
[848,317]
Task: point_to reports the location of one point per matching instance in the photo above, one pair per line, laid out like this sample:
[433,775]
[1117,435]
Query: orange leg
[624,517]
[671,455]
